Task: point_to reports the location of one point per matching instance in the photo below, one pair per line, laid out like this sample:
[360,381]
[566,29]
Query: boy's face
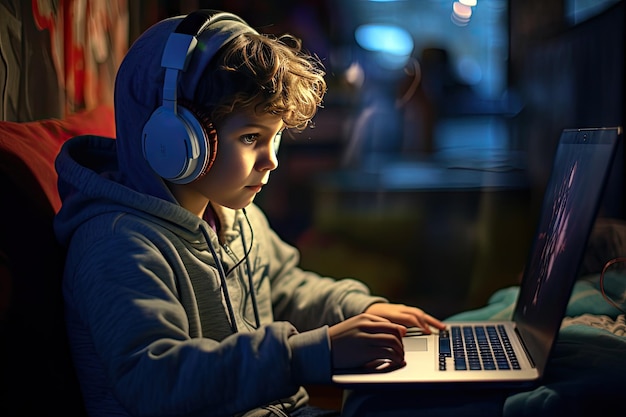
[246,154]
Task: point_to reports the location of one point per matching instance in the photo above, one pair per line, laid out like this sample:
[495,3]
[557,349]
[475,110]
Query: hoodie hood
[138,92]
[89,186]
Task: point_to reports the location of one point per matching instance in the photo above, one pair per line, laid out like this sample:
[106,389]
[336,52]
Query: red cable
[606,267]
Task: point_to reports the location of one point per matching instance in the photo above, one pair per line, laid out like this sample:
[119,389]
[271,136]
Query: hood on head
[139,92]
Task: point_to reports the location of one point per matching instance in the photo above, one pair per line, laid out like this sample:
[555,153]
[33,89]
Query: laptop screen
[572,197]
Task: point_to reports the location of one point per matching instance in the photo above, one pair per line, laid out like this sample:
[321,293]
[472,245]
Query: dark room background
[426,165]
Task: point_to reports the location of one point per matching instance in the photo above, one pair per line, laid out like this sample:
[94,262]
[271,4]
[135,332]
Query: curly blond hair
[273,74]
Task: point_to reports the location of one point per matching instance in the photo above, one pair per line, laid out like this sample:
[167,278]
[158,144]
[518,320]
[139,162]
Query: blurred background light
[461,10]
[393,43]
[384,38]
[468,70]
[354,75]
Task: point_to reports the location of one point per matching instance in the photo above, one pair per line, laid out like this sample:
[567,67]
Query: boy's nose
[268,159]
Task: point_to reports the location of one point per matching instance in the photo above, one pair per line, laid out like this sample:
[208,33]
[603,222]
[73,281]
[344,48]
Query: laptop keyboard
[476,348]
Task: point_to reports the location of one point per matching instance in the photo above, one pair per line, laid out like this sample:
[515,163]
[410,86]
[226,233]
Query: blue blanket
[586,374]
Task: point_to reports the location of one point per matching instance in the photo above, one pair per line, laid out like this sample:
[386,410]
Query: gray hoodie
[149,321]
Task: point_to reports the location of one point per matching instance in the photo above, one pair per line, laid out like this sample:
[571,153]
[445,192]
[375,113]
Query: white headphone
[177,143]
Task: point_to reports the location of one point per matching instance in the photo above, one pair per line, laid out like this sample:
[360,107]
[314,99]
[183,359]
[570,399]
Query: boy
[180,299]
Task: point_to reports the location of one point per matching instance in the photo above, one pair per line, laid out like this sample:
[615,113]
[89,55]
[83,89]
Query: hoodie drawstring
[223,275]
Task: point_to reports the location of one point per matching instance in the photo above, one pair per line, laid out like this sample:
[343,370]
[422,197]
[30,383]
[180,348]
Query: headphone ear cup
[176,146]
[204,126]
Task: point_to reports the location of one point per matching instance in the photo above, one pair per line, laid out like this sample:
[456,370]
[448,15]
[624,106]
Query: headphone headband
[214,32]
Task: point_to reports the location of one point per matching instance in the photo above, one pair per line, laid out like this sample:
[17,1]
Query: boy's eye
[249,139]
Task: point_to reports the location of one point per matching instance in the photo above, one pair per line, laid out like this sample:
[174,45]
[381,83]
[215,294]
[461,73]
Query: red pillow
[28,150]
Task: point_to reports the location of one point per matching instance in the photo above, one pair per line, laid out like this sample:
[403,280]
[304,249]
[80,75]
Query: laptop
[462,353]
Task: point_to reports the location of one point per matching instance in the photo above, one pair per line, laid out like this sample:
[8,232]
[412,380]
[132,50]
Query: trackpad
[415,344]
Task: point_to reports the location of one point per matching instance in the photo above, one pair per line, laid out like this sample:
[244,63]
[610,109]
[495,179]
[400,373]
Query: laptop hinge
[521,339]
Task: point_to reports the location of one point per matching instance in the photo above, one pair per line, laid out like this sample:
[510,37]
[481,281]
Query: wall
[59,57]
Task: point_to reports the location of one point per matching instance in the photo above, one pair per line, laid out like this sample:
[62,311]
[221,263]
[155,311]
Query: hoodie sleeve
[124,295]
[305,298]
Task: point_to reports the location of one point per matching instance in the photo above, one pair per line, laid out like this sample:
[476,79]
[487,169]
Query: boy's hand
[405,315]
[366,341]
